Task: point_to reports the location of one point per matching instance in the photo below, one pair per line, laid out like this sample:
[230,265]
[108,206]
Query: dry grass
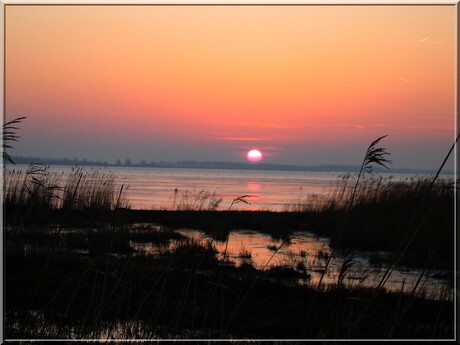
[9,135]
[38,188]
[195,201]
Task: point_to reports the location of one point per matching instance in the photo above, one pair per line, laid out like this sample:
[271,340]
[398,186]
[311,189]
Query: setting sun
[254,156]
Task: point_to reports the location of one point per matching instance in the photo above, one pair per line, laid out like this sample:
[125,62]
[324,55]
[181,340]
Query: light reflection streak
[309,250]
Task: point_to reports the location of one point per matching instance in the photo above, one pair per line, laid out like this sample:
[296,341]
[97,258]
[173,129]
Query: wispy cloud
[265,125]
[265,149]
[244,138]
[407,81]
[272,148]
[428,40]
[289,126]
[249,138]
[424,39]
[361,126]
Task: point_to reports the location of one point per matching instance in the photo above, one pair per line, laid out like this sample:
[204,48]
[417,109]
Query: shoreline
[277,224]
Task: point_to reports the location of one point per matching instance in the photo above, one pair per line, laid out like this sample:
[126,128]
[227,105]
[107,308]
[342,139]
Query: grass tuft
[31,193]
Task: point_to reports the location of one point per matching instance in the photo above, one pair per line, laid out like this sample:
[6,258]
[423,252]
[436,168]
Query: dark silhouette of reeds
[195,200]
[382,217]
[374,155]
[94,285]
[419,219]
[9,130]
[37,189]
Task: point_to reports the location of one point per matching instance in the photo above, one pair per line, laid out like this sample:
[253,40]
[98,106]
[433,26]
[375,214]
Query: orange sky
[305,84]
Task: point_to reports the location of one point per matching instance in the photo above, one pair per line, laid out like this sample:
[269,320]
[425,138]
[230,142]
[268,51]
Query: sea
[172,188]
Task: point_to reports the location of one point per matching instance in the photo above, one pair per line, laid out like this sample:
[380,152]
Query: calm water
[163,188]
[270,190]
[310,251]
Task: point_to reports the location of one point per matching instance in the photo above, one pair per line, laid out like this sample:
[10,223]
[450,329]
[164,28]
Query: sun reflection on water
[253,186]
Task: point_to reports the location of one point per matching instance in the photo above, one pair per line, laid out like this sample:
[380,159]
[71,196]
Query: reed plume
[374,155]
[9,135]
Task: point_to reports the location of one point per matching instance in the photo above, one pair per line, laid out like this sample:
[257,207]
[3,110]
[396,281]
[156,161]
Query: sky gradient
[305,85]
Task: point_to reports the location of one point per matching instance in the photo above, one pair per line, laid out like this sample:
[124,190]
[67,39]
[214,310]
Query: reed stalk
[9,135]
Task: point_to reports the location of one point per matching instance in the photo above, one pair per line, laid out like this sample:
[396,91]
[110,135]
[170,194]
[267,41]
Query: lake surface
[168,188]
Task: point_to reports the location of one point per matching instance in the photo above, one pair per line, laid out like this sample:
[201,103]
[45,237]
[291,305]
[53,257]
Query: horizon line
[205,164]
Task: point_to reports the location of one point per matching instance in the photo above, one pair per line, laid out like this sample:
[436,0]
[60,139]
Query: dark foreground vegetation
[91,283]
[73,268]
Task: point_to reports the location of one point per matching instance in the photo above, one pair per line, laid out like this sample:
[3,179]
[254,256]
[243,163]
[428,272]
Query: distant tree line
[59,161]
[80,162]
[190,164]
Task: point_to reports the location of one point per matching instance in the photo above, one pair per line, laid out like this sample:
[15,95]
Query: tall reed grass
[9,132]
[38,188]
[386,191]
[195,200]
[383,211]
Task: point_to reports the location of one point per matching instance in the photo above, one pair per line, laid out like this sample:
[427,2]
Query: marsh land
[80,262]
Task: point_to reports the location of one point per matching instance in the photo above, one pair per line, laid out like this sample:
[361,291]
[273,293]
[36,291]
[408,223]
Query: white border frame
[4,3]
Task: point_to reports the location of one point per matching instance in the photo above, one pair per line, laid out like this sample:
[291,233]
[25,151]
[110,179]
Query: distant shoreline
[220,165]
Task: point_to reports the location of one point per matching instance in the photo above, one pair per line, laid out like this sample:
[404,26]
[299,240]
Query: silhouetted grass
[195,200]
[57,286]
[9,134]
[383,212]
[32,194]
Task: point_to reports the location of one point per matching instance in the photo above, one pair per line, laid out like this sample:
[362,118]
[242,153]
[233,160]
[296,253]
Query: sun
[254,156]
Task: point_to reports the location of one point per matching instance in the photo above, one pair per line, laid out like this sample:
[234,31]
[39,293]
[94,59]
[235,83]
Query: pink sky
[304,84]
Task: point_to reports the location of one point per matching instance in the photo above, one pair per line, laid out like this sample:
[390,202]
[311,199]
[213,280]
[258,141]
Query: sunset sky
[306,85]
